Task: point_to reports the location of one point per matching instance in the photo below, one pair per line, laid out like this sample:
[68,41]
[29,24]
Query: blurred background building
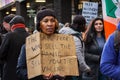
[65,9]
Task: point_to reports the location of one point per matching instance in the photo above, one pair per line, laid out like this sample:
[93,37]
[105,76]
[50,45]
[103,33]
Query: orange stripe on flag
[109,28]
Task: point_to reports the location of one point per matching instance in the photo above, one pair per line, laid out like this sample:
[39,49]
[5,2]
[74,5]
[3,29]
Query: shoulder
[110,38]
[8,35]
[66,30]
[77,36]
[109,45]
[78,40]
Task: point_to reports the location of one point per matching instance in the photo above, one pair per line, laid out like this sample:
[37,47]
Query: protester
[1,64]
[64,28]
[6,25]
[94,46]
[60,26]
[77,29]
[5,28]
[67,24]
[10,47]
[6,21]
[110,59]
[46,23]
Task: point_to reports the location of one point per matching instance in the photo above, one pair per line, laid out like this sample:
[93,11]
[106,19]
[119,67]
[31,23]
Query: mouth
[50,30]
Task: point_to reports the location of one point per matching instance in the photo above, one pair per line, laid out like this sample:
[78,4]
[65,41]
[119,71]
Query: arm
[21,66]
[92,57]
[80,55]
[110,62]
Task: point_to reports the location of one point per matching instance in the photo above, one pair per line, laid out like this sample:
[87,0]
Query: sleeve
[80,55]
[109,65]
[92,57]
[21,65]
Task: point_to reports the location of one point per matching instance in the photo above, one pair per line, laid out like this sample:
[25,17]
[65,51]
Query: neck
[99,35]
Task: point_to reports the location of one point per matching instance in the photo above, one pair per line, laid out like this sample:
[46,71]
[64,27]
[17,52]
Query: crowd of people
[97,58]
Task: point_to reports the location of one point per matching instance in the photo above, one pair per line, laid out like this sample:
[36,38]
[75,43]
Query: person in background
[64,29]
[94,45]
[10,47]
[46,23]
[60,26]
[5,28]
[110,58]
[29,30]
[6,24]
[77,29]
[67,24]
[6,21]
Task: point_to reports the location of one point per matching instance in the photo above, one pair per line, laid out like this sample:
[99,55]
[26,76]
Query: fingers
[48,76]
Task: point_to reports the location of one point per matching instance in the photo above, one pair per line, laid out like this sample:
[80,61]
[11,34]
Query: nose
[49,23]
[99,24]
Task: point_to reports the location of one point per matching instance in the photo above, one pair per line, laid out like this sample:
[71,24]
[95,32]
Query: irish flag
[110,16]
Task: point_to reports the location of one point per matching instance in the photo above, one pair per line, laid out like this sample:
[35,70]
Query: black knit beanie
[8,18]
[17,19]
[43,13]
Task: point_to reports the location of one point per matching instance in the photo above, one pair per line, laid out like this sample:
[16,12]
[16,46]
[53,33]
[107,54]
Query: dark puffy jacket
[10,50]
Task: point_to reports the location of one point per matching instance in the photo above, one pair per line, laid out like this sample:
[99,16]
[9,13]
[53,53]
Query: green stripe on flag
[110,8]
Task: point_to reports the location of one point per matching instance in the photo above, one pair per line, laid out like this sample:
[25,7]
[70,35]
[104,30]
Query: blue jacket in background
[110,60]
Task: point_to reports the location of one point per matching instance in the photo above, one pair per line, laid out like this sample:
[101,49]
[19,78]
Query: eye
[45,20]
[96,23]
[52,20]
[100,23]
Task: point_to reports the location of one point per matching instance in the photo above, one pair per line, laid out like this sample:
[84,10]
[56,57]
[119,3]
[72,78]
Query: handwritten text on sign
[51,54]
[90,10]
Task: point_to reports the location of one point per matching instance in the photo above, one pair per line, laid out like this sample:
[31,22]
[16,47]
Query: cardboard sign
[51,54]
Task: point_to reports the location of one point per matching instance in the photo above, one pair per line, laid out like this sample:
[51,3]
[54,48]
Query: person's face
[98,26]
[47,25]
[6,26]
